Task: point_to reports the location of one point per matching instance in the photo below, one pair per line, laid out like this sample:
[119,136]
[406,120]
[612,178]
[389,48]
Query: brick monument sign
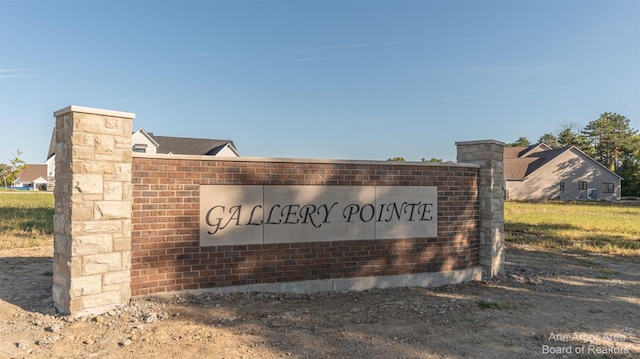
[131,224]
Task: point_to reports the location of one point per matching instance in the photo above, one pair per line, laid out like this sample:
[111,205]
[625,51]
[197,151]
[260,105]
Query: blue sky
[322,79]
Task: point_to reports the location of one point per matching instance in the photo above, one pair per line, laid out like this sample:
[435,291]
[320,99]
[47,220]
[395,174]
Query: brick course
[166,255]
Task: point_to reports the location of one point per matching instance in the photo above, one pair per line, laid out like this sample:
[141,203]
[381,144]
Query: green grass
[594,227]
[26,219]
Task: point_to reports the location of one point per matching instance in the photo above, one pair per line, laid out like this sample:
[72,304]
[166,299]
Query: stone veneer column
[489,154]
[92,221]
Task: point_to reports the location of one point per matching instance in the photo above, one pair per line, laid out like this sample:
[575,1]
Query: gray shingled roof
[519,162]
[190,146]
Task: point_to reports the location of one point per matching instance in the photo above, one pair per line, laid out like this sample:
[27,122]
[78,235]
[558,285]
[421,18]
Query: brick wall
[166,255]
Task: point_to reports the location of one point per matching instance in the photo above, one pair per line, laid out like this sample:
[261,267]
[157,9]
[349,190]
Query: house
[147,142]
[32,176]
[538,172]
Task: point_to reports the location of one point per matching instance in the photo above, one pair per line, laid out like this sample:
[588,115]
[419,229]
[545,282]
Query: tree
[433,159]
[571,135]
[520,142]
[396,159]
[4,170]
[9,173]
[550,140]
[630,171]
[612,140]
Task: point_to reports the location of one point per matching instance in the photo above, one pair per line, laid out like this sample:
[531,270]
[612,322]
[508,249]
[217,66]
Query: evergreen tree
[550,140]
[630,171]
[612,140]
[520,142]
[570,135]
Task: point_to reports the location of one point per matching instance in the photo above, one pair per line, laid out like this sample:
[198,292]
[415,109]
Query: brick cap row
[300,160]
[480,142]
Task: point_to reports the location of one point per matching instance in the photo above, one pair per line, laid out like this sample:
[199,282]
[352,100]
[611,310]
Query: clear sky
[342,79]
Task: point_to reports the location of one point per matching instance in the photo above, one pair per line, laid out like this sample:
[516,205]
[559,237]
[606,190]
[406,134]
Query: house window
[140,148]
[582,185]
[608,188]
[562,186]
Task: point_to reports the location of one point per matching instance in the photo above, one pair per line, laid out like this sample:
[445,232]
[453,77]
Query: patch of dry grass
[595,227]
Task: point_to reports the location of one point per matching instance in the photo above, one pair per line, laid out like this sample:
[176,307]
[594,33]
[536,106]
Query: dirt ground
[547,305]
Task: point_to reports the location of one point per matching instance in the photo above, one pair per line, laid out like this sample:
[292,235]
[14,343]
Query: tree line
[610,140]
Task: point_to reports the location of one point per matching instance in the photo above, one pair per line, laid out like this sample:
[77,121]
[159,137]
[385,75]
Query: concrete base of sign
[424,280]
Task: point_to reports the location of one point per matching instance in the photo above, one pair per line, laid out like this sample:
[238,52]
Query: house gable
[226,150]
[143,142]
[530,150]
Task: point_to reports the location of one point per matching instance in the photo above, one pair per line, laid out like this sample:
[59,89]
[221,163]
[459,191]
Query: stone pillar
[489,154]
[92,221]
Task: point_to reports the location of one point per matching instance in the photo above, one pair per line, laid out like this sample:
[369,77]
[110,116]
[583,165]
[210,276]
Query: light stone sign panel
[247,214]
[229,215]
[319,217]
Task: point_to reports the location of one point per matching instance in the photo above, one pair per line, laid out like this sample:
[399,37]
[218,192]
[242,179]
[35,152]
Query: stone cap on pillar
[480,142]
[94,111]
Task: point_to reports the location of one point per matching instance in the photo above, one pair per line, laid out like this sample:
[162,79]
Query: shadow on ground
[26,282]
[545,300]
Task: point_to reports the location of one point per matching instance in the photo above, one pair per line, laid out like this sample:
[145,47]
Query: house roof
[32,173]
[520,162]
[190,146]
[175,145]
[539,147]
